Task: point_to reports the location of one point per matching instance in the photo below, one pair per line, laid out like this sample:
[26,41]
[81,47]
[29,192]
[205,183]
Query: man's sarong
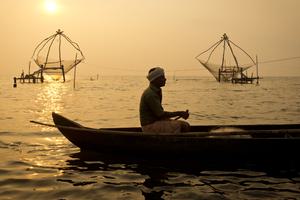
[166,126]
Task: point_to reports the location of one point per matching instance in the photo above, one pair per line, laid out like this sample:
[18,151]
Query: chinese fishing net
[225,60]
[57,55]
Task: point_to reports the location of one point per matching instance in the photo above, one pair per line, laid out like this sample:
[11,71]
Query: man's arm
[158,110]
[183,114]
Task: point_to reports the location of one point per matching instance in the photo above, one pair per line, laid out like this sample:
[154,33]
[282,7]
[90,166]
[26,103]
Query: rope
[215,44]
[243,51]
[281,59]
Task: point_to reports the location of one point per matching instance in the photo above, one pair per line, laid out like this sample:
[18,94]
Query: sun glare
[50,6]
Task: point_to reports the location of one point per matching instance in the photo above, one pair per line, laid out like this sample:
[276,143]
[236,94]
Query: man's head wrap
[154,74]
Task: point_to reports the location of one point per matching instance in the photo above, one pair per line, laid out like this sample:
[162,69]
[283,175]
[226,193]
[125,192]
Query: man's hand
[184,114]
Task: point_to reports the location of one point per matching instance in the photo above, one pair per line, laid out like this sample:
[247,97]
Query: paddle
[58,126]
[44,124]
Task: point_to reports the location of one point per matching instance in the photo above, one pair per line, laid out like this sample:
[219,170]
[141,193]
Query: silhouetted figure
[22,76]
[15,82]
[153,118]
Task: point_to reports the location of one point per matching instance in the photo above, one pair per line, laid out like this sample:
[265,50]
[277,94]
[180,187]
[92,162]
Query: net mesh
[53,66]
[229,71]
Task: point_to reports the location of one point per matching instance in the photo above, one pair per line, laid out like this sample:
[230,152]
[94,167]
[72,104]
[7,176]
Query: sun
[50,6]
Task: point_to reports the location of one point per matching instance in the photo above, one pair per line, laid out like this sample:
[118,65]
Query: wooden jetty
[36,77]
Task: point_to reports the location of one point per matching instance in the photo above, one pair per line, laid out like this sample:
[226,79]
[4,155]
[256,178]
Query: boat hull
[193,144]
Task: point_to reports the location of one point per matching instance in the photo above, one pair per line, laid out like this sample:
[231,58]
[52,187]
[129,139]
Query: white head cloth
[155,74]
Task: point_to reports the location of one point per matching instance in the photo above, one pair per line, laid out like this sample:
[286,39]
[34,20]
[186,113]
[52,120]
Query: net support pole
[257,70]
[223,57]
[29,66]
[59,32]
[74,77]
[75,71]
[63,72]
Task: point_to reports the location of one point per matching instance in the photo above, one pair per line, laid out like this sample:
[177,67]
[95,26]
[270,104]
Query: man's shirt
[151,109]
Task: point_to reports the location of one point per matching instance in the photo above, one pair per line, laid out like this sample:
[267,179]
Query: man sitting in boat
[153,118]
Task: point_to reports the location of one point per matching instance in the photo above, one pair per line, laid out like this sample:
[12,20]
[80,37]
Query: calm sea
[39,163]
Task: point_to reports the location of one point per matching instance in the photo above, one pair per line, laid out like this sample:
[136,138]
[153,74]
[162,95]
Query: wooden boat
[207,140]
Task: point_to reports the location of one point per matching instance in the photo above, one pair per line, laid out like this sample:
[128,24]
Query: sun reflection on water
[50,99]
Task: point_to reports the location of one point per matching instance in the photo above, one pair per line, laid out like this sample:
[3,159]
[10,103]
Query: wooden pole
[74,77]
[59,55]
[224,49]
[257,70]
[29,67]
[75,71]
[15,82]
[63,72]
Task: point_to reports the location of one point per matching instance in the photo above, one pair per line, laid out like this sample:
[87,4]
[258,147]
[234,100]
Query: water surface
[39,163]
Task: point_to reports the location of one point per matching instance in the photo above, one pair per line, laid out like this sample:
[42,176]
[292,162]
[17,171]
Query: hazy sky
[130,36]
